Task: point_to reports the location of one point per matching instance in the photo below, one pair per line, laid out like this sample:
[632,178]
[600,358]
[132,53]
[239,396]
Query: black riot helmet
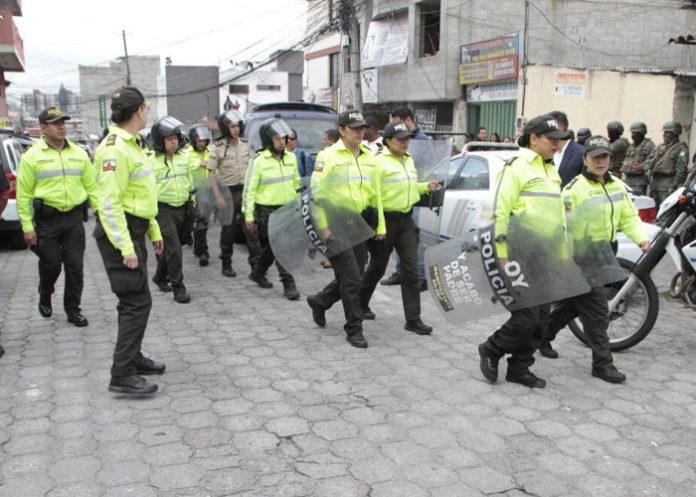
[270,128]
[615,126]
[583,134]
[639,127]
[166,126]
[225,119]
[672,127]
[200,132]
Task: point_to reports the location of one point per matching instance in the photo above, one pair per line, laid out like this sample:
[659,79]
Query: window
[268,87]
[447,168]
[239,89]
[335,70]
[474,175]
[429,28]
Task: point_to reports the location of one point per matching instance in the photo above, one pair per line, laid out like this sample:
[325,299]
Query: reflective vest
[599,210]
[270,181]
[174,181]
[348,181]
[529,188]
[398,180]
[198,162]
[126,184]
[63,179]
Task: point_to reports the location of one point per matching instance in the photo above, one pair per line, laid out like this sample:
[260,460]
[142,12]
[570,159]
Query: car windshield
[310,132]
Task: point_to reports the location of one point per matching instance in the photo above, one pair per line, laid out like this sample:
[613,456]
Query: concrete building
[97,83]
[464,68]
[36,101]
[192,93]
[11,51]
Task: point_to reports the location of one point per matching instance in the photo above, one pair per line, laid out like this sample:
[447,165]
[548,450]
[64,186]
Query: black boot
[204,259]
[227,268]
[45,307]
[290,290]
[181,296]
[260,279]
[546,350]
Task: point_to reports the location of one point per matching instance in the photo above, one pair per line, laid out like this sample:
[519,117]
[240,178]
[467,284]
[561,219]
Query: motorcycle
[634,302]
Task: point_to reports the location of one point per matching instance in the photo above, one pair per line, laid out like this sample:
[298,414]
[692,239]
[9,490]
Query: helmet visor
[169,126]
[279,127]
[233,116]
[201,133]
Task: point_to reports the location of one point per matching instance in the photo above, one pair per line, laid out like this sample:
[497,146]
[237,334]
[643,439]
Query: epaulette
[510,161]
[256,154]
[220,142]
[110,140]
[243,140]
[572,182]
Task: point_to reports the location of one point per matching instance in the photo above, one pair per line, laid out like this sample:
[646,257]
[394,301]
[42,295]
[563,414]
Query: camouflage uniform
[668,169]
[638,154]
[619,148]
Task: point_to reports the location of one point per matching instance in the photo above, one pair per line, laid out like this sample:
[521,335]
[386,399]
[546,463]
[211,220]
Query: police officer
[199,153]
[174,192]
[400,190]
[668,167]
[272,181]
[229,158]
[527,184]
[583,134]
[55,179]
[363,192]
[634,170]
[619,146]
[600,206]
[127,208]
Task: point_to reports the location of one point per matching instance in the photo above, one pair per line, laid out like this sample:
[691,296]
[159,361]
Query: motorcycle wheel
[634,316]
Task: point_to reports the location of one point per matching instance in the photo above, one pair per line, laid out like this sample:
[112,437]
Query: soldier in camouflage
[634,171]
[668,168]
[619,146]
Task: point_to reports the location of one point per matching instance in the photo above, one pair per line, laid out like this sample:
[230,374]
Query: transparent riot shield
[427,154]
[536,261]
[325,219]
[206,199]
[459,282]
[595,258]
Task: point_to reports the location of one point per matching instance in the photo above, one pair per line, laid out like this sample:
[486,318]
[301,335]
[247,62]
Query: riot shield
[595,258]
[536,262]
[324,219]
[459,282]
[206,201]
[427,154]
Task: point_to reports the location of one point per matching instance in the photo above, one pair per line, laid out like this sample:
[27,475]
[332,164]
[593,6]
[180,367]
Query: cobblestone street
[258,401]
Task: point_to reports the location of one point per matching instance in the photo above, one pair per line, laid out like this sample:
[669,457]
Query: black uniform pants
[133,292]
[232,231]
[200,230]
[261,215]
[519,336]
[348,267]
[61,242]
[402,234]
[593,311]
[170,262]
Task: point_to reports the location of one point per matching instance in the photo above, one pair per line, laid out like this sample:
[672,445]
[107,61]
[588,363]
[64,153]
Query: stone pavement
[257,401]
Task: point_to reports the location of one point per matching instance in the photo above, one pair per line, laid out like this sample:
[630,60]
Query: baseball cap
[352,119]
[126,97]
[545,125]
[597,145]
[52,115]
[396,130]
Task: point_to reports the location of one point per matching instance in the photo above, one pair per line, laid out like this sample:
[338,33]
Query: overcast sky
[60,35]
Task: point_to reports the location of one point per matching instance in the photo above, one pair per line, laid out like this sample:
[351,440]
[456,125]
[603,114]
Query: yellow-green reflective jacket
[174,181]
[529,188]
[198,161]
[270,181]
[63,179]
[126,184]
[597,211]
[398,180]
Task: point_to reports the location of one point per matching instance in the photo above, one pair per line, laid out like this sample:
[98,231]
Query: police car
[469,182]
[11,150]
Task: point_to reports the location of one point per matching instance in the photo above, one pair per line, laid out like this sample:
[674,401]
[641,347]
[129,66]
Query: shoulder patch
[108,165]
[110,140]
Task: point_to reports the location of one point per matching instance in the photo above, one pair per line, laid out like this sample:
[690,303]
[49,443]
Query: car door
[468,199]
[429,221]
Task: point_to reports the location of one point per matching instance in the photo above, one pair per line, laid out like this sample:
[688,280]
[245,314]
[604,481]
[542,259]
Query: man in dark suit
[569,158]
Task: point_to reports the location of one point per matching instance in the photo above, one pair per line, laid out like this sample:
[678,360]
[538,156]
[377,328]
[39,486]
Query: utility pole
[125,50]
[351,85]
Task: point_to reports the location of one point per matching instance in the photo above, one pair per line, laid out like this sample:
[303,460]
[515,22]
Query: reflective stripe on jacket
[398,180]
[174,181]
[270,181]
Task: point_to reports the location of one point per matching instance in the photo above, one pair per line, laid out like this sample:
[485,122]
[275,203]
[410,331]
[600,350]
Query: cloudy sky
[59,36]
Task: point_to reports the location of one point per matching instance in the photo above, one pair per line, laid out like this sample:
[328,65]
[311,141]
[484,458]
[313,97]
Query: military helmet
[615,126]
[166,126]
[225,119]
[672,127]
[200,132]
[639,127]
[270,128]
[584,133]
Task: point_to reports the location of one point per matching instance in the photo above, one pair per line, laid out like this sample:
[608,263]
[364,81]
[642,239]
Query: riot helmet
[583,134]
[225,119]
[614,129]
[639,127]
[166,126]
[672,127]
[200,132]
[270,128]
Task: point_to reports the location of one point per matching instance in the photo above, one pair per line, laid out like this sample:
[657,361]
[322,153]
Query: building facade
[11,51]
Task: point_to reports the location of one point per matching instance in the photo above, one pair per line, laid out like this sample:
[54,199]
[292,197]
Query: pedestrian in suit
[569,157]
